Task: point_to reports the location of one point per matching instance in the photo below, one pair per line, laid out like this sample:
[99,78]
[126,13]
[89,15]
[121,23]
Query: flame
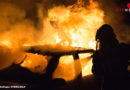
[35,63]
[6,43]
[75,26]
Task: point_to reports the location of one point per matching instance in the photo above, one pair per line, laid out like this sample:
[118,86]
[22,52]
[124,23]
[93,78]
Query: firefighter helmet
[105,32]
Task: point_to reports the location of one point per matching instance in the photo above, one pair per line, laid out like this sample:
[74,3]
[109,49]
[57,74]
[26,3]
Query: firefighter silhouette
[110,61]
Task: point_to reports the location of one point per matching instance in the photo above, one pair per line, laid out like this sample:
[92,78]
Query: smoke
[118,20]
[25,13]
[13,24]
[21,23]
[15,30]
[8,56]
[24,18]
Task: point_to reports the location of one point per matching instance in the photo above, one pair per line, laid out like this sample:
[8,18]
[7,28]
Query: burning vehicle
[59,45]
[61,28]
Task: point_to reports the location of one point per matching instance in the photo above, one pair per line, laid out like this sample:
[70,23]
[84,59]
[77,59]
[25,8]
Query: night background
[23,22]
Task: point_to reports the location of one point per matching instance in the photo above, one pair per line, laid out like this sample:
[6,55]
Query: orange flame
[74,26]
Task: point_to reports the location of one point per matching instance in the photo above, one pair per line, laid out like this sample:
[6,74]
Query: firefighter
[110,61]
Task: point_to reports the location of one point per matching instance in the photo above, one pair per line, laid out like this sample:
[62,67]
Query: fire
[92,44]
[70,26]
[34,62]
[6,43]
[74,26]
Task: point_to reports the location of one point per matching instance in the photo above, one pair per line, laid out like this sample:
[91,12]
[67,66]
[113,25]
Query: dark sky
[119,20]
